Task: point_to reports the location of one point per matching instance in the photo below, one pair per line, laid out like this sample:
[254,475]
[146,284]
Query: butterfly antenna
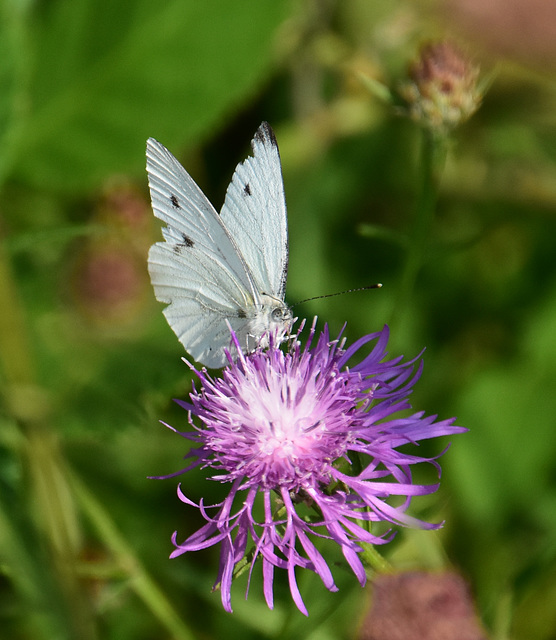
[378,285]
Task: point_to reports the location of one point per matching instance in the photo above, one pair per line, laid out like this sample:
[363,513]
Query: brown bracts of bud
[442,91]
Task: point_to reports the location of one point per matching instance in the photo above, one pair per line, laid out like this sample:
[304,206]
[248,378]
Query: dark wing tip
[265,135]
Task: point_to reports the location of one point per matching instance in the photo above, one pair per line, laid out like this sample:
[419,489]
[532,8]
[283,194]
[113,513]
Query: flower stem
[374,560]
[433,157]
[139,579]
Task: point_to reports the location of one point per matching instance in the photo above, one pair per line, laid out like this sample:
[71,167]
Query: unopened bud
[442,91]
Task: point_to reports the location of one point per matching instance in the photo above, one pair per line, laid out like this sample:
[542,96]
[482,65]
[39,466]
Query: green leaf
[507,456]
[108,75]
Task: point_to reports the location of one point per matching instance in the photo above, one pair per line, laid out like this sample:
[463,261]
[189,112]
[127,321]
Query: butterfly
[224,271]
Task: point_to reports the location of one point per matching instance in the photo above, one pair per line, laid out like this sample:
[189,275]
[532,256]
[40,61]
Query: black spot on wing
[187,241]
[186,244]
[247,189]
[241,313]
[175,202]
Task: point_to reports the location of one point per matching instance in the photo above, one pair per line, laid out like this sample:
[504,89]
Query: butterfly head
[281,315]
[273,318]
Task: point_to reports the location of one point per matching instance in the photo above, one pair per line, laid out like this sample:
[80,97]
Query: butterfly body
[217,272]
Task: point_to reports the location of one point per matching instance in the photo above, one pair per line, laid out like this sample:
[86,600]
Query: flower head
[286,427]
[442,91]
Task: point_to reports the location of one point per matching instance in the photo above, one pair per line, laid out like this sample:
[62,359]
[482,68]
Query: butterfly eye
[279,314]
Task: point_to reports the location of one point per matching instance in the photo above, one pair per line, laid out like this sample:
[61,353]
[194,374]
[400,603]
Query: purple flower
[284,429]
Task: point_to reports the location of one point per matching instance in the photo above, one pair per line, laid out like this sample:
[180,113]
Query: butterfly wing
[254,213]
[198,271]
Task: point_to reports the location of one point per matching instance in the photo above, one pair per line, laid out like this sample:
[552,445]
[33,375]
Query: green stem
[139,579]
[371,558]
[433,157]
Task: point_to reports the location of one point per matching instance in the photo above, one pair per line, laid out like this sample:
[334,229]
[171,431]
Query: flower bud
[442,91]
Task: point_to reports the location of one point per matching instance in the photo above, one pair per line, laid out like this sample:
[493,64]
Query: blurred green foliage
[88,365]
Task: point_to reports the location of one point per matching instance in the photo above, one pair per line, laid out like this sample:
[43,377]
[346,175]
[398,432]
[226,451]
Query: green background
[89,365]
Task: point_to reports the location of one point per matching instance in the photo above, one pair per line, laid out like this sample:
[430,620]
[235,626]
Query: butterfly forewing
[254,213]
[190,218]
[217,272]
[198,271]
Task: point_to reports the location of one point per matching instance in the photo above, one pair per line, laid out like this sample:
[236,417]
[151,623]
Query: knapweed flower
[442,91]
[297,432]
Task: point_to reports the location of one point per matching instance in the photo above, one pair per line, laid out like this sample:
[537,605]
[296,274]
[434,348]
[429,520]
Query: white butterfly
[217,269]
